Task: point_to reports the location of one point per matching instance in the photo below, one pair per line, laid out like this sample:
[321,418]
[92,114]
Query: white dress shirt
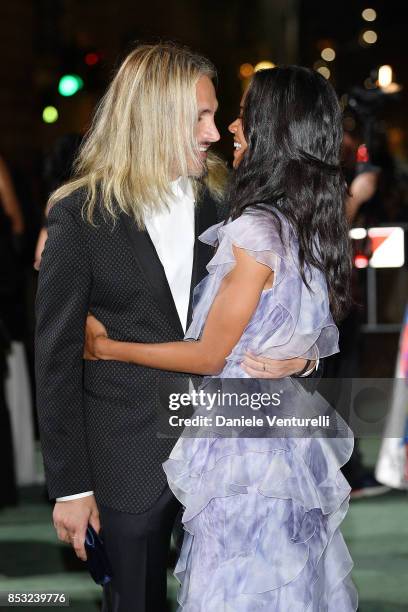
[172,234]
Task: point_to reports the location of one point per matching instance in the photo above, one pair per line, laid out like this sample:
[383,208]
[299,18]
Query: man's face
[206,130]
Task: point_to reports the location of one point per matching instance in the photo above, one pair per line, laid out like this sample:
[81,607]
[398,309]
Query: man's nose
[213,133]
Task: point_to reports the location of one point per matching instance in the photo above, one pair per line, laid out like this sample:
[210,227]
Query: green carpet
[376,531]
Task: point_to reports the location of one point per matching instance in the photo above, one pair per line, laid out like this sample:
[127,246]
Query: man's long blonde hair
[143,134]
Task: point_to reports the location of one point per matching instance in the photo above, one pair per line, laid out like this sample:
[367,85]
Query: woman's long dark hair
[293,126]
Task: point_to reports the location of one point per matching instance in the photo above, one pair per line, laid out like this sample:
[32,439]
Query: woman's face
[240,144]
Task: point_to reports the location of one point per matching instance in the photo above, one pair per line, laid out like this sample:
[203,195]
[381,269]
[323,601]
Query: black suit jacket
[99,420]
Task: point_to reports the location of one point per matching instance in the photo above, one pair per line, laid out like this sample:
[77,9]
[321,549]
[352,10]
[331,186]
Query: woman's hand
[95,338]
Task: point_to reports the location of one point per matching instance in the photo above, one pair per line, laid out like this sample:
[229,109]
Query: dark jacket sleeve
[61,309]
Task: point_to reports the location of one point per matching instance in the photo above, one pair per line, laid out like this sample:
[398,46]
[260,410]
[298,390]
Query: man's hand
[262,367]
[71,519]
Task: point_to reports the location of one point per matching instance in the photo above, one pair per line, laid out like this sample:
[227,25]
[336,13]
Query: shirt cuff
[76,496]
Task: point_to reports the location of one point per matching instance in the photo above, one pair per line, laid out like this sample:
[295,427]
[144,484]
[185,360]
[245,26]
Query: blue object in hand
[97,559]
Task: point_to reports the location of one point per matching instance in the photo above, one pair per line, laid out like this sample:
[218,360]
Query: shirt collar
[182,187]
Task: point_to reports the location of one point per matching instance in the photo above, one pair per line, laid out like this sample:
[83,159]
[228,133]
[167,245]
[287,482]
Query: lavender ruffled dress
[262,515]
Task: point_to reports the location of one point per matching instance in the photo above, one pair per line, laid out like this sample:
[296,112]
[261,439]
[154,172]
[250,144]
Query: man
[123,244]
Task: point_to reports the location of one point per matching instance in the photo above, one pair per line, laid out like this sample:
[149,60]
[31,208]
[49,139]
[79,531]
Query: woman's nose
[233,126]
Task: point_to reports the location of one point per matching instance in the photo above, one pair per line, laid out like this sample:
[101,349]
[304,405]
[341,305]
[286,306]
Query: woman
[262,514]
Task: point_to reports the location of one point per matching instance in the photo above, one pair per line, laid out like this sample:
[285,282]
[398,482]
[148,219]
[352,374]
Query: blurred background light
[362,155]
[361,261]
[50,114]
[91,59]
[328,54]
[324,71]
[370,37]
[369,14]
[246,70]
[264,65]
[70,84]
[384,76]
[358,233]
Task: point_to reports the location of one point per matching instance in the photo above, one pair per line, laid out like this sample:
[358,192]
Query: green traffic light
[70,84]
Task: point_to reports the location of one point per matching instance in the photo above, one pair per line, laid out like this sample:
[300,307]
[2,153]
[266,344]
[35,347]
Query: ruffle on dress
[291,320]
[262,523]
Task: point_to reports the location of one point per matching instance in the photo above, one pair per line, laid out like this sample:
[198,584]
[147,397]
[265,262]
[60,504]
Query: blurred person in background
[363,180]
[9,204]
[378,195]
[392,463]
[11,236]
[388,203]
[8,488]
